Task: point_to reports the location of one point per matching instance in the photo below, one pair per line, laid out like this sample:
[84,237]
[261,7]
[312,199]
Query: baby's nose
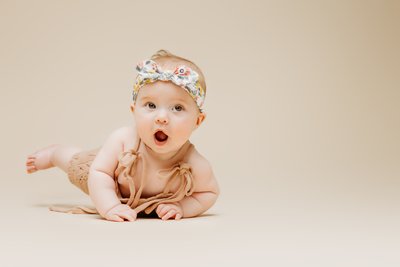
[162,118]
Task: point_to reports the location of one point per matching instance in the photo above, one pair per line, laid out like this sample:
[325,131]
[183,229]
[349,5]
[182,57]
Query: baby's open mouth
[160,136]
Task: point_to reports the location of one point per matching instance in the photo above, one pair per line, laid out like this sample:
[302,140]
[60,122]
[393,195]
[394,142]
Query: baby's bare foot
[41,159]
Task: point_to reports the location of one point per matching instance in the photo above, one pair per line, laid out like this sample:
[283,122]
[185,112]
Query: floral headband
[185,77]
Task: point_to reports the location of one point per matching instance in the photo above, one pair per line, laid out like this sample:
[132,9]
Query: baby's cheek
[184,133]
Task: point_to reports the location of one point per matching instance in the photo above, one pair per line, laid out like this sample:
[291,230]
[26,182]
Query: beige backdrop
[302,130]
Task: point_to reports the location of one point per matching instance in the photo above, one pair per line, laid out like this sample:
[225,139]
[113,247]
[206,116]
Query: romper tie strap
[180,172]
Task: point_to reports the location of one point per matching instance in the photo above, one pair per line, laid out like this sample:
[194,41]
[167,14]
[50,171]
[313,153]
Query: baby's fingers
[164,209]
[169,214]
[128,215]
[159,209]
[114,218]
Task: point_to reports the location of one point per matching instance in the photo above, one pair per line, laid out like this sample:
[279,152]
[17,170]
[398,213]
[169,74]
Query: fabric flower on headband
[183,76]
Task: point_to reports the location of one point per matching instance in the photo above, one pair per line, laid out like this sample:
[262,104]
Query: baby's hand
[167,211]
[121,212]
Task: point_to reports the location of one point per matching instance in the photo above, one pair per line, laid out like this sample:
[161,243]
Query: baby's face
[165,115]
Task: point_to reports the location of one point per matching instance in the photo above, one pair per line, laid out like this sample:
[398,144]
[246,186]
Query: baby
[150,166]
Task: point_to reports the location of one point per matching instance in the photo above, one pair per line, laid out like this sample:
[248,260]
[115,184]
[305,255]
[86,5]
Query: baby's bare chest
[150,178]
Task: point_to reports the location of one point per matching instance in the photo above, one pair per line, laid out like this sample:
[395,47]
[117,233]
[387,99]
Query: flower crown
[183,76]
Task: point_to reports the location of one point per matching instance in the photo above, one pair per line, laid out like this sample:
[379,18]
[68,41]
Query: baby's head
[167,101]
[169,61]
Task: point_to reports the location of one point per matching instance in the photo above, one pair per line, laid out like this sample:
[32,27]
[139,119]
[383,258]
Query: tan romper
[78,173]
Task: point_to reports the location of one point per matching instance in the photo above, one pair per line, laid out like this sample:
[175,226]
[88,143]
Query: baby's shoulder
[202,171]
[127,135]
[195,159]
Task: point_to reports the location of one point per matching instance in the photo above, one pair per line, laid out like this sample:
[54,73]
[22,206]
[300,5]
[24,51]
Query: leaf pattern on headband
[183,76]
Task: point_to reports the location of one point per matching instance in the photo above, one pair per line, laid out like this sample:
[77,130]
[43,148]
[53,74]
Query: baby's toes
[31,169]
[30,161]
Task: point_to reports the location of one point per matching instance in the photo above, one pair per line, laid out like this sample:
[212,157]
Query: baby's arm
[205,195]
[101,183]
[207,190]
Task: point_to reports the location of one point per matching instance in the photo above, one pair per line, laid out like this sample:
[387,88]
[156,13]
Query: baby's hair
[164,57]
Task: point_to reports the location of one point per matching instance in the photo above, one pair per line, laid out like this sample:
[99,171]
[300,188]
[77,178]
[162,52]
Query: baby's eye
[178,108]
[150,105]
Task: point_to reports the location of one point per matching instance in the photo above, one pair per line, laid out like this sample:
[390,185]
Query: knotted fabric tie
[181,172]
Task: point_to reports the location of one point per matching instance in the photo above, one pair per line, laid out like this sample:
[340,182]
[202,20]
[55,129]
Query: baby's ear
[202,116]
[132,107]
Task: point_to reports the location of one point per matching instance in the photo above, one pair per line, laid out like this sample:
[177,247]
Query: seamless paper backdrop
[303,128]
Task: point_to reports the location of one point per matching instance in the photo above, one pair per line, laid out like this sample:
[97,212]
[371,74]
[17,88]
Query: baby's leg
[51,156]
